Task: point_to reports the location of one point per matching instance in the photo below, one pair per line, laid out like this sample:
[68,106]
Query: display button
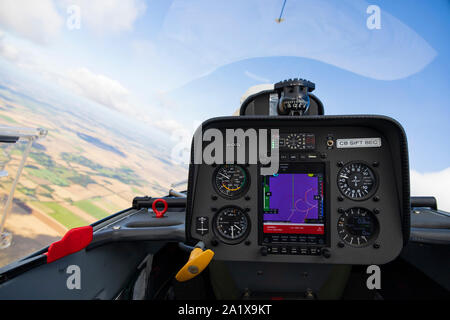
[304,251]
[312,240]
[293,157]
[293,238]
[284,250]
[301,239]
[294,250]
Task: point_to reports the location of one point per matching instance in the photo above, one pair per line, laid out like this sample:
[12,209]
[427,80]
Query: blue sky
[173,63]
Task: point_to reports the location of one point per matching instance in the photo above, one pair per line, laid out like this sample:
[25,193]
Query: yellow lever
[198,261]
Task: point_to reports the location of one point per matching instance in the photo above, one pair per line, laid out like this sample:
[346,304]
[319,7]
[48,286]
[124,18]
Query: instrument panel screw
[341,210]
[376,246]
[340,164]
[340,198]
[213,209]
[247,198]
[248,242]
[375,164]
[376,211]
[214,198]
[309,294]
[376,198]
[214,243]
[341,244]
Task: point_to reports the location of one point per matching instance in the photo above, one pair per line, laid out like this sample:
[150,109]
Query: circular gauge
[357,181]
[231,224]
[358,227]
[231,181]
[294,141]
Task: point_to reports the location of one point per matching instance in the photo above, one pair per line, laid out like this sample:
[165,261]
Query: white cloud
[435,184]
[169,125]
[97,87]
[109,16]
[38,21]
[42,21]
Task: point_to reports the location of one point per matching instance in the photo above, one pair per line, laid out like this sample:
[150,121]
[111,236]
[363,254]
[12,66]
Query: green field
[9,119]
[56,177]
[92,209]
[27,191]
[137,191]
[61,214]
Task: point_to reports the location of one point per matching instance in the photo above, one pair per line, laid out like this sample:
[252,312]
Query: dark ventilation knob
[295,82]
[294,99]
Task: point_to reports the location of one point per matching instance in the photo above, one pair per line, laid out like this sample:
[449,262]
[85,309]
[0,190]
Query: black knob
[326,253]
[263,251]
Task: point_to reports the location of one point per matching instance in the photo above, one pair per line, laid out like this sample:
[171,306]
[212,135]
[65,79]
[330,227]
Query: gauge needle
[224,175]
[232,231]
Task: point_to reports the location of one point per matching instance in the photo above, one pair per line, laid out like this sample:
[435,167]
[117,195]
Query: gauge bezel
[371,240]
[226,240]
[286,139]
[241,192]
[375,185]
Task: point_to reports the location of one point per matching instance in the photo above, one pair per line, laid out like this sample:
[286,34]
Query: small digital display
[294,205]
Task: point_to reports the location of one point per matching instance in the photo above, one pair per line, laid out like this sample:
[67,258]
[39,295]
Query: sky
[172,64]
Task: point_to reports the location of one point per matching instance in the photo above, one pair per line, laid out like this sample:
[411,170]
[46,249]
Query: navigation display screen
[294,205]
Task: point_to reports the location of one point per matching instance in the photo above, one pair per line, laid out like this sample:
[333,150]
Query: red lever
[73,241]
[160,214]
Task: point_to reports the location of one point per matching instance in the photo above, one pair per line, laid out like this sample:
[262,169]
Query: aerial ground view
[63,186]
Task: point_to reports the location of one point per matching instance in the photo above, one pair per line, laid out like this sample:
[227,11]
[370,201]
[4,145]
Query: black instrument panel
[337,197]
